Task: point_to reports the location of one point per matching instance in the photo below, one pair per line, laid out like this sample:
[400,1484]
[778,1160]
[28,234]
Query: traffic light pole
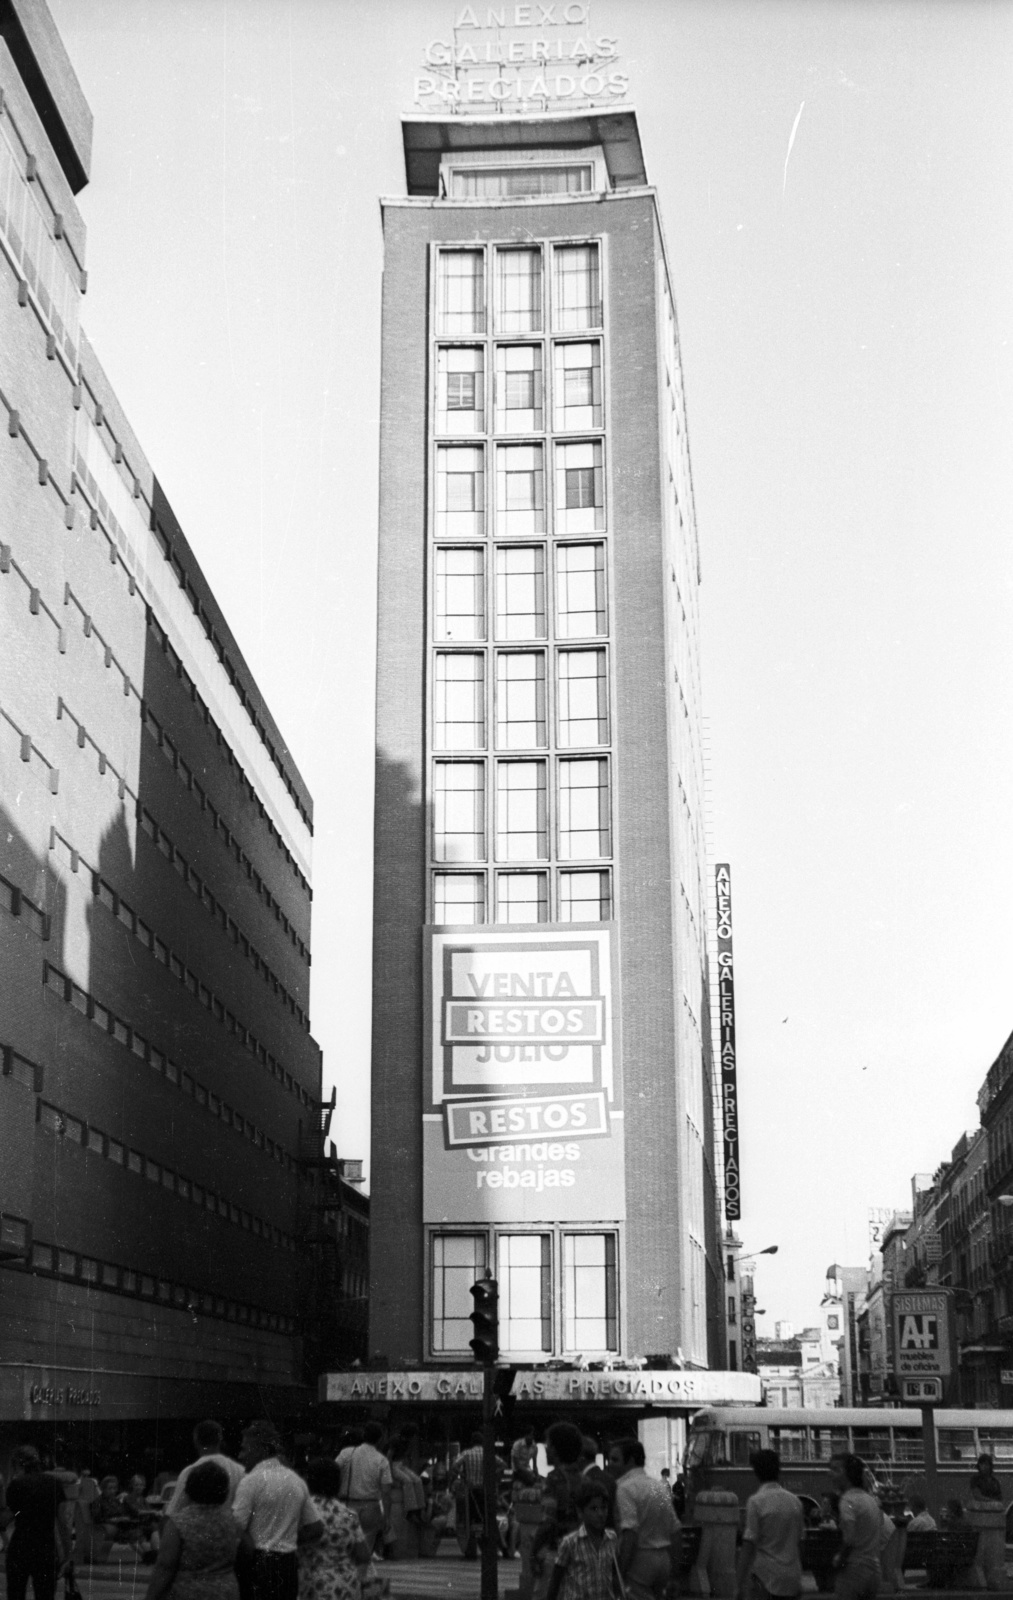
[490,1539]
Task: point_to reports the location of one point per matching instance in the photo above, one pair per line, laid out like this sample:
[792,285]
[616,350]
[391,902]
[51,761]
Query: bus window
[907,1446]
[997,1442]
[791,1444]
[827,1442]
[957,1444]
[872,1444]
[741,1447]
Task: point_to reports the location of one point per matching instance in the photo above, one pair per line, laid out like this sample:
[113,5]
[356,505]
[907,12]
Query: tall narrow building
[542,1065]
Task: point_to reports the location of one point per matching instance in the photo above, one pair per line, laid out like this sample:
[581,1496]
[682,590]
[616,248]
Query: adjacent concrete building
[159,1085]
[542,1064]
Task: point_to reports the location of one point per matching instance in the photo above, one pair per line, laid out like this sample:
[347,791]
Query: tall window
[520,700]
[460,291]
[459,707]
[578,386]
[458,1260]
[460,490]
[518,388]
[577,287]
[460,595]
[580,591]
[525,1291]
[582,700]
[580,487]
[460,389]
[458,897]
[520,488]
[522,897]
[518,291]
[459,811]
[590,1321]
[520,592]
[521,815]
[584,830]
[584,897]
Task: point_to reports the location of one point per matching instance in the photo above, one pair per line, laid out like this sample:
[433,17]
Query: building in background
[160,1089]
[799,1370]
[542,1069]
[843,1301]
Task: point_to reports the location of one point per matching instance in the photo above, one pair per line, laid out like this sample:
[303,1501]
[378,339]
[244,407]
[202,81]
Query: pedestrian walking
[207,1440]
[38,1545]
[273,1505]
[368,1484]
[587,1560]
[861,1523]
[197,1552]
[770,1561]
[329,1568]
[648,1528]
[524,1452]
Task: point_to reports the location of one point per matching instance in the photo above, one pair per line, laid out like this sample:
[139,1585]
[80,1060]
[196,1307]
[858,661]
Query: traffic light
[485,1321]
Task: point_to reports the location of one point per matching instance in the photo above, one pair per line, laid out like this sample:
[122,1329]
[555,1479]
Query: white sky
[846,324]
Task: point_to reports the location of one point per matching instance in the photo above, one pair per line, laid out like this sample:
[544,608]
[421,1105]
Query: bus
[722,1438]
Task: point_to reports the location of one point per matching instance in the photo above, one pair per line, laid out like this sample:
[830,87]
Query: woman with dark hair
[200,1541]
[328,1569]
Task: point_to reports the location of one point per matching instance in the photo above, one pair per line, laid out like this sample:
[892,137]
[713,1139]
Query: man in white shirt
[369,1483]
[272,1504]
[922,1520]
[771,1542]
[207,1438]
[649,1530]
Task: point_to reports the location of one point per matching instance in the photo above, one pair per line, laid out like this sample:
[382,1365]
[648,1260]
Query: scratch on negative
[791,141]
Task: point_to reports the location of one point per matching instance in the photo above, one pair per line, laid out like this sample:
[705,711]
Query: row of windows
[73,995]
[520,502]
[219,826]
[557,1292]
[53,1261]
[522,823]
[580,896]
[13,900]
[520,599]
[487,183]
[27,230]
[518,401]
[64,1126]
[520,703]
[517,290]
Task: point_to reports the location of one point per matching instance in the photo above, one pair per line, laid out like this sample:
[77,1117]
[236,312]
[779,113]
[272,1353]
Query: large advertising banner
[726,1036]
[523,1110]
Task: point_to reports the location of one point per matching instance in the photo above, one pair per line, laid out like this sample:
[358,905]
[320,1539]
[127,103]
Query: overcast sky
[846,322]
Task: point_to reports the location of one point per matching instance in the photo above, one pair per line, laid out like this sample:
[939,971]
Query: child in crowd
[587,1561]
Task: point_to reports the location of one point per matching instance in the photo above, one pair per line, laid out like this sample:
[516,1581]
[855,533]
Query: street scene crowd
[594,1525]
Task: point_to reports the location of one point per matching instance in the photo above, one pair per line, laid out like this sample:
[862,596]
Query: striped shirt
[469,1466]
[588,1566]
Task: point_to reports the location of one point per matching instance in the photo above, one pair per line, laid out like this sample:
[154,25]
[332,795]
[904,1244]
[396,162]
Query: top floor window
[518,291]
[502,183]
[577,275]
[460,291]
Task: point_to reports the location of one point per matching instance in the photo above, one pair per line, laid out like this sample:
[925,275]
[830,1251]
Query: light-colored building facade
[539,814]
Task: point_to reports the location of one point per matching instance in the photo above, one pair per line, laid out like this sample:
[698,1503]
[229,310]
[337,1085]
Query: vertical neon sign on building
[726,1037]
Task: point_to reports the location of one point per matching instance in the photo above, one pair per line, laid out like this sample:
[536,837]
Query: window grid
[555,699]
[458,1260]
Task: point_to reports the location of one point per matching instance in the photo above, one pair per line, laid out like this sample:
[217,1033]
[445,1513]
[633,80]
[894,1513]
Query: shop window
[590,1320]
[458,1259]
[525,1292]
